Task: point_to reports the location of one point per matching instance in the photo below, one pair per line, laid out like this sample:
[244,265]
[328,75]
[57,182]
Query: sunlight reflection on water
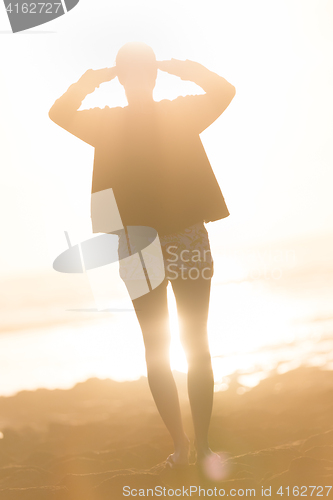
[255,328]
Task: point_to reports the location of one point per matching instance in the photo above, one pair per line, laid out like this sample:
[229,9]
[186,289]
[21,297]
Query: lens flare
[216,467]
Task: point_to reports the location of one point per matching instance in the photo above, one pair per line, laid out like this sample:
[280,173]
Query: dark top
[153,160]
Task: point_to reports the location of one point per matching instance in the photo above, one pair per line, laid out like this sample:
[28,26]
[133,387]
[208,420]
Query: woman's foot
[208,455]
[181,455]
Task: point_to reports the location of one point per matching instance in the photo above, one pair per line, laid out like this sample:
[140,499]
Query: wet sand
[91,441]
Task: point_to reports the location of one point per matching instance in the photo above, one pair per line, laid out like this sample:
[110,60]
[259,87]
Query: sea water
[271,311]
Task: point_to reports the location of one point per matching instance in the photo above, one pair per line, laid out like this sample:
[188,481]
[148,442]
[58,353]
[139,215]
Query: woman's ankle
[181,455]
[202,449]
[182,444]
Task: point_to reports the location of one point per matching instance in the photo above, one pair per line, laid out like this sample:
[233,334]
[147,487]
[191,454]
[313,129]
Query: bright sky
[271,150]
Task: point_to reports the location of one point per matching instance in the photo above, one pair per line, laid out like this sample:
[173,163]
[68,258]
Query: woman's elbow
[52,114]
[57,116]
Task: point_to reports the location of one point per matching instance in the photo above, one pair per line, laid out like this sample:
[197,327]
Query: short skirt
[186,255]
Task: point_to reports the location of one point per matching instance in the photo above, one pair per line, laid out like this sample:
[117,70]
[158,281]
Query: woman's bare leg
[152,313]
[192,297]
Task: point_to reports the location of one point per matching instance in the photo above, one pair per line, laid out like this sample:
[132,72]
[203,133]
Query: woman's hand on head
[92,78]
[171,66]
[184,69]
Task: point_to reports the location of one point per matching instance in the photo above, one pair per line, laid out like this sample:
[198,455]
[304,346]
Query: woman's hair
[134,58]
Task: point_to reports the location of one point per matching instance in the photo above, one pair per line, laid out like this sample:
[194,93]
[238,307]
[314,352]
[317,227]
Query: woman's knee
[198,356]
[157,359]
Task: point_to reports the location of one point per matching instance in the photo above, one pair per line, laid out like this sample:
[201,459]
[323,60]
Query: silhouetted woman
[151,155]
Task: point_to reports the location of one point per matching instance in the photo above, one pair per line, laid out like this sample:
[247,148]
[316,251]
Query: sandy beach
[105,440]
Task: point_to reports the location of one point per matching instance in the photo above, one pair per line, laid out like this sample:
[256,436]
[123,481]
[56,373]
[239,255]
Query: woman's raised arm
[64,111]
[202,110]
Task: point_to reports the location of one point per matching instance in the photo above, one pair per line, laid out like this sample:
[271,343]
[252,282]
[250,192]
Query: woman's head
[136,66]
